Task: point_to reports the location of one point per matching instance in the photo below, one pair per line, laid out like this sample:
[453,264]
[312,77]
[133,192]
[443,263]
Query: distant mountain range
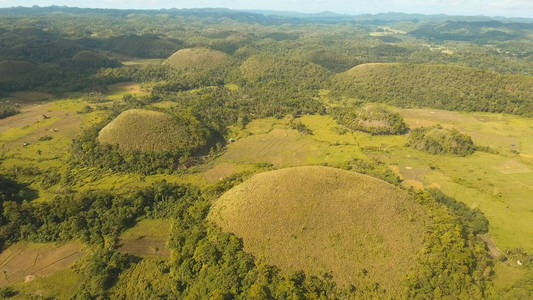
[271,16]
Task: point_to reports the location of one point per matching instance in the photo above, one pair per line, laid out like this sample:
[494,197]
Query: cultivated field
[24,262]
[322,219]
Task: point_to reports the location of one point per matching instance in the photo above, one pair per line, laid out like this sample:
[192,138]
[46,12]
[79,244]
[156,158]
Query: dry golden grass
[197,58]
[26,261]
[321,219]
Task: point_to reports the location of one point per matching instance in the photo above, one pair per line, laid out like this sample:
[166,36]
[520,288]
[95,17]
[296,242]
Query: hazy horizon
[491,8]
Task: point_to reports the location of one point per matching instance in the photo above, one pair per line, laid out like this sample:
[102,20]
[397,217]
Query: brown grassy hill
[321,219]
[152,131]
[198,58]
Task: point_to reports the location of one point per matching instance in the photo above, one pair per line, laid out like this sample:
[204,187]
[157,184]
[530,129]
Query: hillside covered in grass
[438,86]
[321,219]
[198,58]
[152,131]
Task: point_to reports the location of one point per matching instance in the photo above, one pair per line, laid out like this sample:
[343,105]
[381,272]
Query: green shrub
[436,140]
[372,119]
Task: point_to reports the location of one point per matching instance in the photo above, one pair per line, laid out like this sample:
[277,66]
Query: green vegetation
[460,256]
[437,140]
[271,79]
[439,86]
[372,119]
[7,110]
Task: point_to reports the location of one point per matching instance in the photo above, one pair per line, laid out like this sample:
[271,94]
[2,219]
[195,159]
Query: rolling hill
[152,131]
[198,58]
[439,86]
[321,219]
[13,69]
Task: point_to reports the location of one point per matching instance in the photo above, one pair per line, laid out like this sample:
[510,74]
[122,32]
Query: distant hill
[198,58]
[487,31]
[282,71]
[90,59]
[14,69]
[321,219]
[439,86]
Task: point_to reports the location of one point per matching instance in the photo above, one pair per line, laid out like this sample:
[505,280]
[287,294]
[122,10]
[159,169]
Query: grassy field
[500,184]
[272,141]
[60,285]
[147,239]
[24,262]
[118,90]
[322,219]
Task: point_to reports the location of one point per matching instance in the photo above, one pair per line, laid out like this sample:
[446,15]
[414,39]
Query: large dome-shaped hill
[153,131]
[321,219]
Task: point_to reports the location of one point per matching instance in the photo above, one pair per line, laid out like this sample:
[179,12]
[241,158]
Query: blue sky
[509,8]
